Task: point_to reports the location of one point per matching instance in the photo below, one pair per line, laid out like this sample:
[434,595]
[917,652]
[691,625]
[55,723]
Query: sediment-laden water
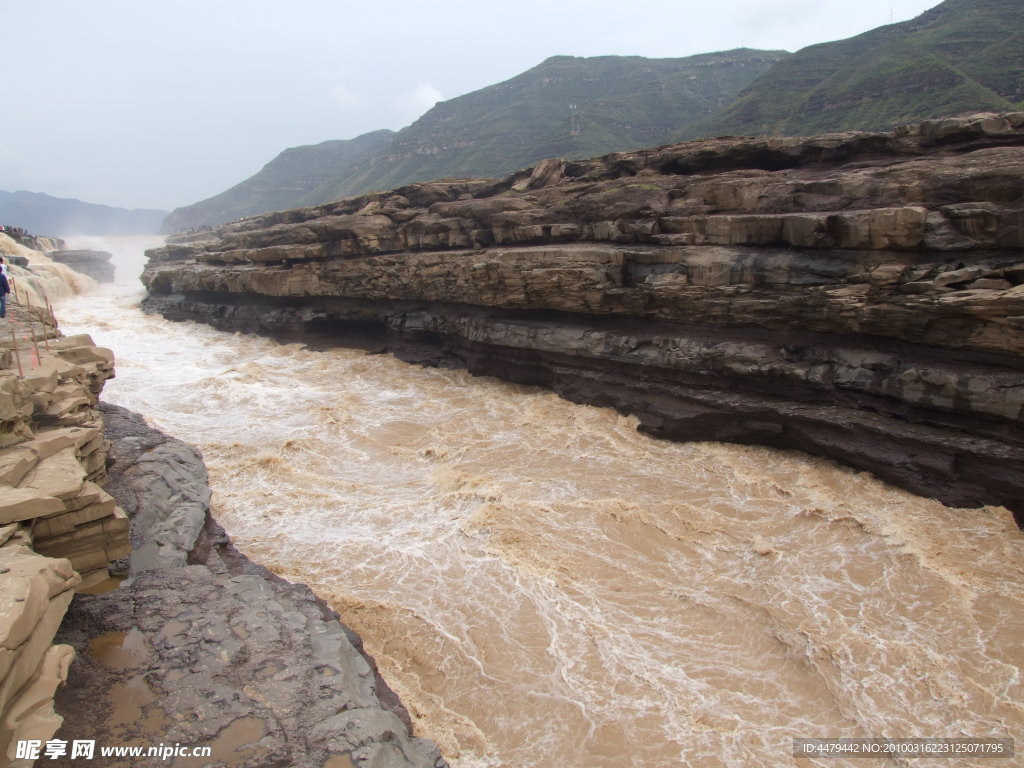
[544,586]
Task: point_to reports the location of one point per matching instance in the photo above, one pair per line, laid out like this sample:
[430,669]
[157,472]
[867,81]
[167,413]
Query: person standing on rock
[6,273]
[5,288]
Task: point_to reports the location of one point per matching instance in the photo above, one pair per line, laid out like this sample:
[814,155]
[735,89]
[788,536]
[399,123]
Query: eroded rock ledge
[858,296]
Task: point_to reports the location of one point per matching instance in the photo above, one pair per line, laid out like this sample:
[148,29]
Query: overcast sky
[159,104]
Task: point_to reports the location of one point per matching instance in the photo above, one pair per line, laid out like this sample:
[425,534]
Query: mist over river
[544,586]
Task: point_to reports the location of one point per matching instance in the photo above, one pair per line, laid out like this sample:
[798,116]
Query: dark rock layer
[858,296]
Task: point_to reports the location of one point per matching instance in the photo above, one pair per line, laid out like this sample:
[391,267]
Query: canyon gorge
[539,581]
[648,399]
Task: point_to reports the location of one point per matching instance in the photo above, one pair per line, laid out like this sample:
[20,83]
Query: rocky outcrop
[201,647]
[95,264]
[53,455]
[857,295]
[163,487]
[35,594]
[58,529]
[248,667]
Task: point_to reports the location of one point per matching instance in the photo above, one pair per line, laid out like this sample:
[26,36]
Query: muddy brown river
[545,586]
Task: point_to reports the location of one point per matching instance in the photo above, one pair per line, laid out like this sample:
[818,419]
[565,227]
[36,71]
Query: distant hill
[961,56]
[618,103]
[60,217]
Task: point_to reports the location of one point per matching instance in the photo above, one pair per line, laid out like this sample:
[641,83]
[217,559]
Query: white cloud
[347,98]
[427,95]
[409,105]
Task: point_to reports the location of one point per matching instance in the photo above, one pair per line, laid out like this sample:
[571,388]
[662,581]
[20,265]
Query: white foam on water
[543,585]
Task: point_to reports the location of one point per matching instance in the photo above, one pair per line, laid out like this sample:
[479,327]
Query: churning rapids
[544,586]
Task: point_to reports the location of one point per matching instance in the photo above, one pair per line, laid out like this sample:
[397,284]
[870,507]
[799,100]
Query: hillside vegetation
[961,56]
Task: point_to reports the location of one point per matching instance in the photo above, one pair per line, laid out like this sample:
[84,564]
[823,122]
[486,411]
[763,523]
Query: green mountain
[565,107]
[961,56]
[42,214]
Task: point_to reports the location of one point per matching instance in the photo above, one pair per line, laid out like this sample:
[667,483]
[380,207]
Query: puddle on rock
[128,700]
[120,650]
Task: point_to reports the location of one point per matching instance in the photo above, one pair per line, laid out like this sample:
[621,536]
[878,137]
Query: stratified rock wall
[53,454]
[58,529]
[858,295]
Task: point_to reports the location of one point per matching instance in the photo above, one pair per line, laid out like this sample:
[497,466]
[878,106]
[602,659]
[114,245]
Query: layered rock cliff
[856,295]
[58,528]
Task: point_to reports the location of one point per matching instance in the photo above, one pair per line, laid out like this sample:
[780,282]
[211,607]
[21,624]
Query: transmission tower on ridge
[574,128]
